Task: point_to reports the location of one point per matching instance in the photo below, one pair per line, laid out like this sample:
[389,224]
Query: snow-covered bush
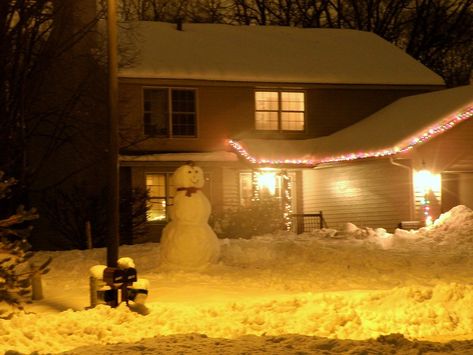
[14,271]
[260,217]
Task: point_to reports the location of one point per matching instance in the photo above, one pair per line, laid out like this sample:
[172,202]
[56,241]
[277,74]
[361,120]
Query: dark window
[169,112]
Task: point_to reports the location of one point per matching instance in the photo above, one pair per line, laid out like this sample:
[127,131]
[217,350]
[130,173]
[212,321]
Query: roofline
[201,82]
[435,130]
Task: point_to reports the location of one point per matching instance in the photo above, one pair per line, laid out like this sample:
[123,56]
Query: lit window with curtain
[280,110]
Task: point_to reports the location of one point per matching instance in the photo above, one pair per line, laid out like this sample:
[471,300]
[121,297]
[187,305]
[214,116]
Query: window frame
[169,89]
[168,198]
[280,111]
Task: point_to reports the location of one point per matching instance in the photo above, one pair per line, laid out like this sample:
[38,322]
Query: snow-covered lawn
[356,284]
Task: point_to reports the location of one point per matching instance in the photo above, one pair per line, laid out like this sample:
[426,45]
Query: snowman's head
[188,176]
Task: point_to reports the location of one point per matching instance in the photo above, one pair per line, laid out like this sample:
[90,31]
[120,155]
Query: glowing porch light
[267,181]
[425,183]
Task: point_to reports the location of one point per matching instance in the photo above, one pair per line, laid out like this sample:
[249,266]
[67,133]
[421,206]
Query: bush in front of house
[259,217]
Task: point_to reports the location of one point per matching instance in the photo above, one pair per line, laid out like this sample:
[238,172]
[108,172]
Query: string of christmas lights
[425,202]
[287,196]
[430,133]
[242,152]
[255,186]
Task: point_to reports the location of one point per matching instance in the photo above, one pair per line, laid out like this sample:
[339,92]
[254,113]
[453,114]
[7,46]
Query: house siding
[230,187]
[227,111]
[450,151]
[372,193]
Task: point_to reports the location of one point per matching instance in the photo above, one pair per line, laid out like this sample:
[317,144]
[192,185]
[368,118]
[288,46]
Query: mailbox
[112,285]
[113,275]
[130,275]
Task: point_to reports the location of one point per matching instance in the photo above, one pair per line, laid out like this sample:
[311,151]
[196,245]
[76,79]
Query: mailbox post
[130,276]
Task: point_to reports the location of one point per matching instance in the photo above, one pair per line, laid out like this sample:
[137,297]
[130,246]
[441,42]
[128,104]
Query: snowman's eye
[189,172]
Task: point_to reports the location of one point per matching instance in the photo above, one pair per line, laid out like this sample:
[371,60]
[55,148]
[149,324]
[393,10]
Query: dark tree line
[438,33]
[52,100]
[49,81]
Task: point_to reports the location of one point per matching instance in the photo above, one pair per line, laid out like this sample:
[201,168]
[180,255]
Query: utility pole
[113,169]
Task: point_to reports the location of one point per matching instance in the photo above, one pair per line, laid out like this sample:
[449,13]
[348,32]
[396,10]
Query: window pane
[183,101]
[266,120]
[155,112]
[183,117]
[183,124]
[266,100]
[246,189]
[156,209]
[156,186]
[292,121]
[292,101]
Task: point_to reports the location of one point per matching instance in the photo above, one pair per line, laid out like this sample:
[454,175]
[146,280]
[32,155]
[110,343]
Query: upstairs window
[169,112]
[279,110]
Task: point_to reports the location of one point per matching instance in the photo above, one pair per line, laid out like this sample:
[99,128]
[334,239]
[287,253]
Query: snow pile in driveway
[453,227]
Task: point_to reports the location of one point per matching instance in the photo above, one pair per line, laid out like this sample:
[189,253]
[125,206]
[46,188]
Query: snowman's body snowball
[187,240]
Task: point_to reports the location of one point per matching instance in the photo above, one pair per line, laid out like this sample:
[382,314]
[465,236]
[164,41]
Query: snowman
[187,241]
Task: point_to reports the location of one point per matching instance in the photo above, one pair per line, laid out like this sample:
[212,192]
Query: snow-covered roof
[205,156]
[394,129]
[269,54]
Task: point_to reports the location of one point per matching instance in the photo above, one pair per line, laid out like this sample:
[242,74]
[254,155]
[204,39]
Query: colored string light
[287,198]
[428,134]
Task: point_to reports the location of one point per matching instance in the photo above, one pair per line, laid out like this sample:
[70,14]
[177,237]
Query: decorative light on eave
[242,152]
[430,133]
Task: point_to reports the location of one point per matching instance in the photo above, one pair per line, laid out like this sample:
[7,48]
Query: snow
[396,125]
[268,54]
[184,157]
[354,289]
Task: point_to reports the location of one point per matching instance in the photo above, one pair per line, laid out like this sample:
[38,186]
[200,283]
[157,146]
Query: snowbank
[355,283]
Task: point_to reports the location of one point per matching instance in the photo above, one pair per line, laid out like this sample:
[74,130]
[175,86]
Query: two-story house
[251,104]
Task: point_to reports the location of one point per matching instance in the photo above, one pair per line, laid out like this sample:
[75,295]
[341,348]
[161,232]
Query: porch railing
[306,222]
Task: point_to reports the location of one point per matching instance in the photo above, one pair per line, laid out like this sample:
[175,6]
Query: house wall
[452,151]
[450,154]
[230,187]
[466,189]
[335,108]
[227,111]
[372,193]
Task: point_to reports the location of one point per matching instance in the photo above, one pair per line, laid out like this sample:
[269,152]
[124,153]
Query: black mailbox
[130,275]
[113,275]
